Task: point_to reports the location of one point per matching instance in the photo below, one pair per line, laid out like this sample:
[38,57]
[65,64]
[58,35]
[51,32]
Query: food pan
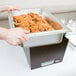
[40,38]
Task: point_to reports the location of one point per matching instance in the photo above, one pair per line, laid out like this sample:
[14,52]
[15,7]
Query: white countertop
[13,63]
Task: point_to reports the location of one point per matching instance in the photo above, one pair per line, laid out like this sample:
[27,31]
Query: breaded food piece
[36,17]
[23,15]
[48,28]
[21,24]
[26,28]
[34,29]
[17,19]
[54,24]
[28,18]
[44,27]
[17,24]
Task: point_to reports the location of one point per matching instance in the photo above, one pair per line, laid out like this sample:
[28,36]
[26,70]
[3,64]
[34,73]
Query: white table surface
[13,63]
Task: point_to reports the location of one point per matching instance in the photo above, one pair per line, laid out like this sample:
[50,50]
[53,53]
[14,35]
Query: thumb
[26,31]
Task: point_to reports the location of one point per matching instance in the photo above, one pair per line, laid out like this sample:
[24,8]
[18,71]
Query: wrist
[3,33]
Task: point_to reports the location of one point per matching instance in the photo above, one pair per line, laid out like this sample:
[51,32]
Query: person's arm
[13,36]
[4,8]
[3,32]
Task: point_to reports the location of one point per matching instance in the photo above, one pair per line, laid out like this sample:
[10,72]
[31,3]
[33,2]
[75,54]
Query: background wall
[51,5]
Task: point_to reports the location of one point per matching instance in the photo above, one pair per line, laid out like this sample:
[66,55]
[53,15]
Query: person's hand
[4,8]
[16,36]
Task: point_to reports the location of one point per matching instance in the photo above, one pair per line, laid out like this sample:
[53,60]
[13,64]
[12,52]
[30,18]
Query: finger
[26,31]
[22,39]
[15,43]
[18,42]
[25,36]
[11,8]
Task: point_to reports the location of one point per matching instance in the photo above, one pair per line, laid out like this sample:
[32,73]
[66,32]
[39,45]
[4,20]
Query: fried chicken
[54,24]
[32,22]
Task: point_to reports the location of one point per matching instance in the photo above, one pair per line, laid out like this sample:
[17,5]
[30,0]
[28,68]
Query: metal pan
[40,38]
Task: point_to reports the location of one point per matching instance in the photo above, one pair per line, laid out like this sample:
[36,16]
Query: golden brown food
[32,22]
[54,24]
[17,19]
